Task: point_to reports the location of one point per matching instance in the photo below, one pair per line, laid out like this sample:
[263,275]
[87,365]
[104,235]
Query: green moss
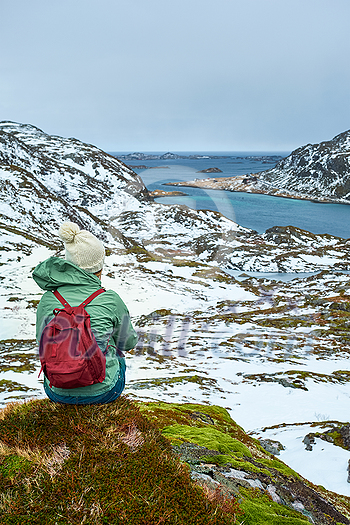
[259,509]
[183,262]
[248,466]
[280,466]
[215,274]
[141,253]
[218,459]
[172,410]
[113,464]
[297,378]
[206,437]
[52,245]
[7,385]
[13,465]
[194,415]
[332,437]
[204,382]
[33,303]
[18,355]
[338,439]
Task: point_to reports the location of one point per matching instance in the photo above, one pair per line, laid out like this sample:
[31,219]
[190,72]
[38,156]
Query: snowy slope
[46,179]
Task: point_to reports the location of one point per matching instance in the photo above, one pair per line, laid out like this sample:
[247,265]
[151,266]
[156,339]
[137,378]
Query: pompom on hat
[82,247]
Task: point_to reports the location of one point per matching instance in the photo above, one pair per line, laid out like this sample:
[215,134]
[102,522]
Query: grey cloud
[155,75]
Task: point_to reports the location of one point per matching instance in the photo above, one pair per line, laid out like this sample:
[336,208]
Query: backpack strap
[84,303]
[92,296]
[60,298]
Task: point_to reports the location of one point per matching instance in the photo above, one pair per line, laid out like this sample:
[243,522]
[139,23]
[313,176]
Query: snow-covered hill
[315,170]
[45,179]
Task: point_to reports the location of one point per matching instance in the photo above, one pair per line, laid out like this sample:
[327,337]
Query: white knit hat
[82,247]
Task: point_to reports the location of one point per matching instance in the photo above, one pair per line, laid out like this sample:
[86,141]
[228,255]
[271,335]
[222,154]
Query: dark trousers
[107,397]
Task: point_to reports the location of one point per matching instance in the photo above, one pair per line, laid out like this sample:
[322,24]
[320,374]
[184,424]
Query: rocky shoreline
[252,184]
[161,193]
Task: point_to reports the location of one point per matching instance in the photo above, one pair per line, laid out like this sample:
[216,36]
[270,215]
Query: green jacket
[110,320]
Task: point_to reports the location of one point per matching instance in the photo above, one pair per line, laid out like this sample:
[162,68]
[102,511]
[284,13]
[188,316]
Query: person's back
[76,278]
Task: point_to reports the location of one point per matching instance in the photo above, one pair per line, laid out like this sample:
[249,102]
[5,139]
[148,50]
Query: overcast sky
[164,75]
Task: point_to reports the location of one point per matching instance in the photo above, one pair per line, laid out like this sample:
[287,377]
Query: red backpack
[69,354]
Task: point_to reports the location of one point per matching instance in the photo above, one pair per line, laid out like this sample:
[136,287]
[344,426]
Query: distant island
[210,170]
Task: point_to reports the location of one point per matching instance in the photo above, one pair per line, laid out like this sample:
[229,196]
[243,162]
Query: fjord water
[254,211]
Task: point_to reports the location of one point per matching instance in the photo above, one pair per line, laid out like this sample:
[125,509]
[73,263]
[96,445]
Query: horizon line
[195,151]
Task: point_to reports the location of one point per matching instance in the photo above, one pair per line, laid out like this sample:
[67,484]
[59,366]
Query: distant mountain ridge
[169,155]
[148,156]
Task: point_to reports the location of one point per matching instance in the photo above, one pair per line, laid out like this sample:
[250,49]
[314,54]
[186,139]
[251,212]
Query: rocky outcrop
[157,462]
[338,434]
[162,193]
[149,156]
[223,457]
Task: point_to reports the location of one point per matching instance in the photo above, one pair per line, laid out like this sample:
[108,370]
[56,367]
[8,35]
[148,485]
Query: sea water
[255,211]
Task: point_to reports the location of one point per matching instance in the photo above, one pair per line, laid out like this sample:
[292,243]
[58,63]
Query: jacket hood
[55,272]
